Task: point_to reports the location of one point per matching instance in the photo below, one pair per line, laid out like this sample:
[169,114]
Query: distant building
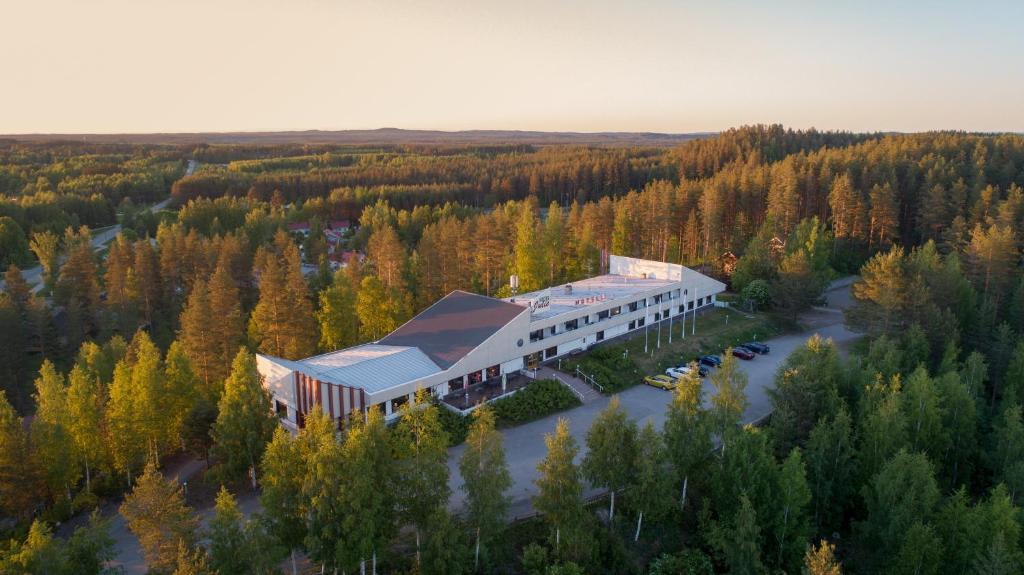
[472,344]
[299,228]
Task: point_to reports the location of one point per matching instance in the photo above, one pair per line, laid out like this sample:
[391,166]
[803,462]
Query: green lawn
[623,363]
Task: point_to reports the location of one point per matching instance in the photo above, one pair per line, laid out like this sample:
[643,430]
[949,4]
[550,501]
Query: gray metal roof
[371,367]
[454,326]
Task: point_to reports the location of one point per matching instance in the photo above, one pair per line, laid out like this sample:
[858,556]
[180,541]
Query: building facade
[467,340]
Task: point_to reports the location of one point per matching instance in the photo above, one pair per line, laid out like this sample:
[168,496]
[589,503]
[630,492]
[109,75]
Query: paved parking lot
[524,445]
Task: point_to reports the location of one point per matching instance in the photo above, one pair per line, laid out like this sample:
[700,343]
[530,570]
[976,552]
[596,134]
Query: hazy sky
[587,65]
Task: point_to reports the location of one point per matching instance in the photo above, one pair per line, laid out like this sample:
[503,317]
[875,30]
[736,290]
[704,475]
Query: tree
[229,554]
[51,432]
[796,288]
[903,493]
[367,499]
[282,323]
[560,496]
[445,551]
[90,547]
[920,553]
[791,528]
[46,246]
[821,560]
[85,404]
[78,289]
[738,541]
[881,294]
[651,479]
[158,516]
[385,252]
[320,502]
[960,424]
[13,245]
[18,474]
[611,445]
[245,422]
[922,409]
[730,398]
[687,431]
[1006,455]
[281,494]
[831,470]
[38,554]
[806,390]
[192,561]
[486,481]
[339,324]
[422,449]
[529,258]
[380,311]
[181,389]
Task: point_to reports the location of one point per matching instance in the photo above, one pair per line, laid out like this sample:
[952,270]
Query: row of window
[573,324]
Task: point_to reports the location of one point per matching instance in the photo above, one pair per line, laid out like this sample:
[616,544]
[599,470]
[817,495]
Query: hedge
[540,398]
[608,367]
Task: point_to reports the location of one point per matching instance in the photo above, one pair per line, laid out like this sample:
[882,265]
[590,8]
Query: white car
[678,372]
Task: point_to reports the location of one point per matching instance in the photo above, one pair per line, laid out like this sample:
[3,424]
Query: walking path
[584,392]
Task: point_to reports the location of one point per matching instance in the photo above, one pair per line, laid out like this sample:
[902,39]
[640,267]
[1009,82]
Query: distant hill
[380,136]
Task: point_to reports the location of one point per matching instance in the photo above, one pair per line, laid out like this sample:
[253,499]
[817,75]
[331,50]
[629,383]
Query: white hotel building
[466,341]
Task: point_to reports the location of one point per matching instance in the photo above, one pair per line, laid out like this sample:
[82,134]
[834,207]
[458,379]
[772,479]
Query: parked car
[681,370]
[757,347]
[710,360]
[742,353]
[660,381]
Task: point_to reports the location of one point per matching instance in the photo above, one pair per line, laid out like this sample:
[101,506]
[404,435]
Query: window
[455,384]
[493,371]
[572,324]
[536,335]
[616,310]
[632,325]
[657,315]
[657,298]
[600,335]
[602,315]
[640,322]
[550,352]
[689,305]
[398,402]
[700,301]
[633,306]
[281,409]
[552,328]
[680,309]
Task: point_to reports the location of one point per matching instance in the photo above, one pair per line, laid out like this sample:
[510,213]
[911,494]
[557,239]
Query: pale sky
[108,66]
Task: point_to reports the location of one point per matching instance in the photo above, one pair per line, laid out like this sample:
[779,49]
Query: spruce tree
[228,550]
[245,422]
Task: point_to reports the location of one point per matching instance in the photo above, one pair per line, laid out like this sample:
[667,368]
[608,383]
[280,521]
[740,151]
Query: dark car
[710,360]
[757,347]
[742,352]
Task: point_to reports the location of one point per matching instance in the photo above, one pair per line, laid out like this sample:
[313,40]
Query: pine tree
[422,449]
[806,390]
[881,294]
[119,280]
[385,252]
[611,444]
[182,392]
[228,329]
[282,324]
[486,481]
[157,515]
[529,262]
[560,497]
[245,422]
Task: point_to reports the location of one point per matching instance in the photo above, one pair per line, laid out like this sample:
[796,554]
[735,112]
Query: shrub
[456,425]
[608,367]
[540,398]
[688,562]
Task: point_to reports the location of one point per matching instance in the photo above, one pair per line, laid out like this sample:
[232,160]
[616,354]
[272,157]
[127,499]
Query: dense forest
[907,456]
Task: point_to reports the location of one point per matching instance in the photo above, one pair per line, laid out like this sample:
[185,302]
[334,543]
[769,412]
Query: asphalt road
[34,275]
[524,445]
